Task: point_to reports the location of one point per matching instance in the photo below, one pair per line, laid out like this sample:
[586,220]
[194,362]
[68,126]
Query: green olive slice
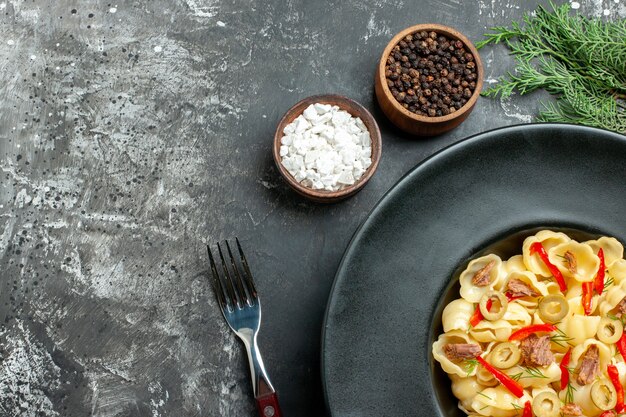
[553,307]
[603,394]
[546,404]
[609,330]
[498,307]
[504,355]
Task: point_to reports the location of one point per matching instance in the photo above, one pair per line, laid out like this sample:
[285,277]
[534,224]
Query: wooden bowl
[413,123]
[356,110]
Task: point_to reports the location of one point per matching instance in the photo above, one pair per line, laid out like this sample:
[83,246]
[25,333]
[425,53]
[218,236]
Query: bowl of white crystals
[327,147]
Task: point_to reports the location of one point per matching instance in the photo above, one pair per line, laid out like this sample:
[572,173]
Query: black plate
[384,307]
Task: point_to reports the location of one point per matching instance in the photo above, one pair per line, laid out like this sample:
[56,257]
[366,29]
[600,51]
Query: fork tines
[235,286]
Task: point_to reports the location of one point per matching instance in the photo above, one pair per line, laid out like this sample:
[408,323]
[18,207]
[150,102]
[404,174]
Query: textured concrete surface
[132,134]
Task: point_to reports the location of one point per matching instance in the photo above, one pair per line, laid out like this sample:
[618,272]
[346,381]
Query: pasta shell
[457,314]
[617,271]
[612,298]
[517,316]
[491,331]
[605,353]
[465,388]
[580,328]
[473,293]
[455,336]
[612,248]
[587,262]
[530,279]
[548,239]
[514,264]
[498,402]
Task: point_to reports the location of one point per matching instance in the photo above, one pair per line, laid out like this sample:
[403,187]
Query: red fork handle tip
[267,405]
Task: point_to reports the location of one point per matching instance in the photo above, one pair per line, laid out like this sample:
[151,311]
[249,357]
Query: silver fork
[241,307]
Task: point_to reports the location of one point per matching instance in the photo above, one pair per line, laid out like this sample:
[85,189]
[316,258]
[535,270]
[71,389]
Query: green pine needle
[579,60]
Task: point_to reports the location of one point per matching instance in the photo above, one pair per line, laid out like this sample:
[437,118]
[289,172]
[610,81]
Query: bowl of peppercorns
[428,79]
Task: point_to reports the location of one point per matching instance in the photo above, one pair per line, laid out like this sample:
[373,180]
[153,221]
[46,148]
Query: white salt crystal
[342,138]
[301,125]
[318,128]
[348,156]
[286,140]
[346,178]
[361,125]
[300,175]
[322,108]
[284,150]
[354,129]
[328,133]
[311,157]
[364,139]
[340,118]
[324,118]
[310,113]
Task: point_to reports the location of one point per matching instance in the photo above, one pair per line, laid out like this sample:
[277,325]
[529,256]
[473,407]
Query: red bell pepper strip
[509,383]
[510,297]
[614,376]
[609,413]
[477,317]
[528,411]
[533,328]
[537,247]
[621,346]
[564,370]
[599,280]
[587,297]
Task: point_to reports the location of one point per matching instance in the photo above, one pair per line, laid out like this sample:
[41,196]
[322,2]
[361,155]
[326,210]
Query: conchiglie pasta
[612,248]
[580,328]
[583,264]
[605,353]
[465,388]
[491,331]
[456,315]
[498,402]
[613,296]
[617,271]
[450,367]
[548,239]
[517,316]
[514,264]
[471,292]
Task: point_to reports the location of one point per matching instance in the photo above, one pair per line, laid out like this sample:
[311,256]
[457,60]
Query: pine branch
[581,61]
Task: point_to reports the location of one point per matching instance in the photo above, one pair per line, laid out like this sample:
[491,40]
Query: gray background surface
[133,133]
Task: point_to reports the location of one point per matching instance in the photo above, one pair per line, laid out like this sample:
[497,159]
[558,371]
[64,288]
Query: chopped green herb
[484,395]
[528,372]
[610,281]
[470,366]
[561,338]
[569,393]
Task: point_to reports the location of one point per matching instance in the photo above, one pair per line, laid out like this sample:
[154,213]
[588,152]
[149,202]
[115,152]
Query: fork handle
[268,405]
